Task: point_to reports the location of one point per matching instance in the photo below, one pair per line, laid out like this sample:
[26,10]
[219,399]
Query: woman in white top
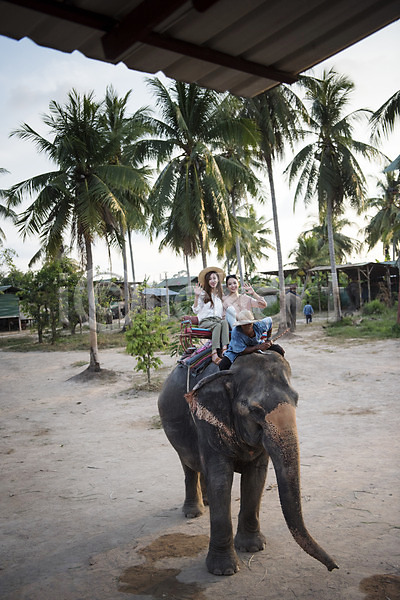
[234,302]
[209,309]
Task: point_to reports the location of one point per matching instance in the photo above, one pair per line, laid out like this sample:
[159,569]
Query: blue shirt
[240,341]
[308,309]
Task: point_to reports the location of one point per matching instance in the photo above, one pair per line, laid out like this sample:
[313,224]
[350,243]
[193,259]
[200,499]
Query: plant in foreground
[146,335]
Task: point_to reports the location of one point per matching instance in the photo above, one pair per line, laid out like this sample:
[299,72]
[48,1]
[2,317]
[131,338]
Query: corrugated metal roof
[9,306]
[244,46]
[354,266]
[158,292]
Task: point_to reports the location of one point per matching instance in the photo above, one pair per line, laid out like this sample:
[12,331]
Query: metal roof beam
[141,21]
[136,25]
[219,58]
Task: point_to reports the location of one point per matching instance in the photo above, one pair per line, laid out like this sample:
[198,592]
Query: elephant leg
[249,537]
[221,557]
[203,489]
[193,505]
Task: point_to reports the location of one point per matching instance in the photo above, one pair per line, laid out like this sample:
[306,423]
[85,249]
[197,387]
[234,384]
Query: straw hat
[204,272]
[245,317]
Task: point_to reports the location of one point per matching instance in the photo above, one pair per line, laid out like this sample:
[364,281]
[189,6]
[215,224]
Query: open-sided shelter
[241,46]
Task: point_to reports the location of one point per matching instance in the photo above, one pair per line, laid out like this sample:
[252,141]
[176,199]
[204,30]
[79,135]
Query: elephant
[233,421]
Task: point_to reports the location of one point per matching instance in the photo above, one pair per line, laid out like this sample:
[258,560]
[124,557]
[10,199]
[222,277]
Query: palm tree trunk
[335,285]
[126,286]
[228,265]
[131,255]
[203,252]
[189,280]
[282,296]
[237,244]
[94,364]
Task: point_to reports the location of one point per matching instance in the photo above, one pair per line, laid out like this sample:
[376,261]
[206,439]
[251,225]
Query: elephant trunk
[281,443]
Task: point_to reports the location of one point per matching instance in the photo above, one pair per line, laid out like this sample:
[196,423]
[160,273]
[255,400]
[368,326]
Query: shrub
[375,307]
[146,335]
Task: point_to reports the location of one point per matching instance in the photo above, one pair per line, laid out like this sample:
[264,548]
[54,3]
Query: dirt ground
[91,491]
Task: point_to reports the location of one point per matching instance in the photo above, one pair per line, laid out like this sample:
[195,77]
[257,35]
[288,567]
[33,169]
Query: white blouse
[204,310]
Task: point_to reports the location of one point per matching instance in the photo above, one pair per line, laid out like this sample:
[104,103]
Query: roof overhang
[244,47]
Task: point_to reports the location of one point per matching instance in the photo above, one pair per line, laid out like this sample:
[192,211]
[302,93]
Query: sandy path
[88,483]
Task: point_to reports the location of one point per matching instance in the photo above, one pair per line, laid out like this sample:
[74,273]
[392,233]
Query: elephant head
[253,406]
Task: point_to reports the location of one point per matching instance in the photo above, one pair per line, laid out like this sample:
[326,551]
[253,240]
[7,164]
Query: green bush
[146,335]
[311,297]
[273,308]
[375,307]
[396,330]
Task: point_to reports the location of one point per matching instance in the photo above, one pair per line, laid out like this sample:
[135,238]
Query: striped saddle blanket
[198,359]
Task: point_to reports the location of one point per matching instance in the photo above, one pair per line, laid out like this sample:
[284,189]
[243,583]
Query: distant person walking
[308,311]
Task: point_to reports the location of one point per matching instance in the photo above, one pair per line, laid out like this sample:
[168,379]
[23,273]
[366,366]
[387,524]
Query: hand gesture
[248,289]
[197,289]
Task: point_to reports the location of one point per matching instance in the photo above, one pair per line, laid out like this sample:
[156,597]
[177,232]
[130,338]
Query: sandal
[215,358]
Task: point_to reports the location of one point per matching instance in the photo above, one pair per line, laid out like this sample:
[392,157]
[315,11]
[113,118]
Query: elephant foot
[219,563]
[192,510]
[250,542]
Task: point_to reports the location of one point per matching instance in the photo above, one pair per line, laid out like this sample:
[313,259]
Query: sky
[32,76]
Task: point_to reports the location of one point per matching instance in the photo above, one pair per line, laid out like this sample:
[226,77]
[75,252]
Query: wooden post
[359,286]
[166,294]
[389,286]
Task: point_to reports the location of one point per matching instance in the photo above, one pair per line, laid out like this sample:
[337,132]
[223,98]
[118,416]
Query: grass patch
[79,363]
[65,343]
[371,325]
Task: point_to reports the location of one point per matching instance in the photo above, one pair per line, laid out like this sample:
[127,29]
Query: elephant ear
[211,401]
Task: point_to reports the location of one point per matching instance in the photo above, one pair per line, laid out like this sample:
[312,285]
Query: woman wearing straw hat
[209,309]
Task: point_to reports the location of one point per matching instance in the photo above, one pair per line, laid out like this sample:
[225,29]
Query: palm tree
[236,162]
[5,211]
[277,115]
[123,133]
[308,254]
[343,244]
[385,224]
[327,168]
[252,235]
[383,120]
[189,196]
[78,197]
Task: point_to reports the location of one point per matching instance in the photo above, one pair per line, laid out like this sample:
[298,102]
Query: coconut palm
[277,115]
[385,224]
[252,234]
[78,197]
[307,255]
[383,120]
[123,134]
[5,211]
[236,163]
[343,244]
[189,195]
[327,168]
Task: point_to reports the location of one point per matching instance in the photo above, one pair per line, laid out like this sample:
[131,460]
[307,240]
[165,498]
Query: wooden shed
[10,316]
